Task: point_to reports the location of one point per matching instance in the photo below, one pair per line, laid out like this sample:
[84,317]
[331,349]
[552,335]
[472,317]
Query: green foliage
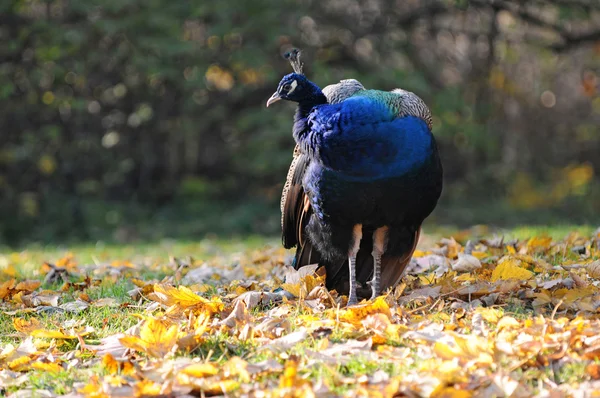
[115,112]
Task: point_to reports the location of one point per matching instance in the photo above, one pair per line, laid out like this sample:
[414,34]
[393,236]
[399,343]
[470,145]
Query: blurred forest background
[131,119]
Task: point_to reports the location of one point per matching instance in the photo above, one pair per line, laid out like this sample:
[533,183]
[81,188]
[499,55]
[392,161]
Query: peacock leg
[354,246]
[379,243]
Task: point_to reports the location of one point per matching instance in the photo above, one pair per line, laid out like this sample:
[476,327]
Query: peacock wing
[392,267]
[294,203]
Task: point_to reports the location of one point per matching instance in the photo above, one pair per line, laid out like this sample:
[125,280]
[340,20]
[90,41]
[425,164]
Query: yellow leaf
[201,324]
[156,339]
[208,386]
[52,334]
[138,282]
[492,315]
[378,339]
[538,244]
[47,367]
[122,264]
[313,281]
[445,351]
[26,325]
[114,367]
[450,392]
[305,283]
[510,269]
[94,389]
[537,262]
[223,387]
[508,322]
[115,381]
[479,255]
[449,369]
[569,296]
[468,277]
[184,298]
[156,331]
[453,248]
[200,370]
[295,289]
[475,347]
[288,378]
[10,270]
[19,363]
[465,349]
[28,286]
[236,368]
[357,313]
[68,262]
[110,364]
[147,388]
[134,342]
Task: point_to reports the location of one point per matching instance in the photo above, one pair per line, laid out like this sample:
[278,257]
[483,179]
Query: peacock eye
[286,87]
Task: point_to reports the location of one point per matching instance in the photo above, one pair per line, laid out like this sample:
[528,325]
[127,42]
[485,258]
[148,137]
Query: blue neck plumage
[303,110]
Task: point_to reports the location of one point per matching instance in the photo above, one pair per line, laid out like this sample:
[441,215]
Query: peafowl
[365,165]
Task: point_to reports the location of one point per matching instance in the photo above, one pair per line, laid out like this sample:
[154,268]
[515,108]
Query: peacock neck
[302,112]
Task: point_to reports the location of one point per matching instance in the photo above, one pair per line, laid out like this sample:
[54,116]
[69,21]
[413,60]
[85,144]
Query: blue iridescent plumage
[366,175]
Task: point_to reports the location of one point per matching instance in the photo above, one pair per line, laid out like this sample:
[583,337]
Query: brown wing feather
[392,268]
[293,202]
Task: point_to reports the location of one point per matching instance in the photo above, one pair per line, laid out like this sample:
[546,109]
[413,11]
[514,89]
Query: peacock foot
[352,300]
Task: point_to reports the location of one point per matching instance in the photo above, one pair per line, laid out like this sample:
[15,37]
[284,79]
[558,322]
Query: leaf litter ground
[473,317]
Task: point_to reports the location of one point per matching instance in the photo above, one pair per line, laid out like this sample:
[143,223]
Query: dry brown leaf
[28,285]
[238,316]
[286,342]
[593,369]
[7,288]
[593,269]
[466,263]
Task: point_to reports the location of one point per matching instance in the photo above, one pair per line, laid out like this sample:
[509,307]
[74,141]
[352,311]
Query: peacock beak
[274,98]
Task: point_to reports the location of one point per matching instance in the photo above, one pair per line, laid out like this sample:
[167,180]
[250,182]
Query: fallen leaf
[466,263]
[301,282]
[356,313]
[509,268]
[593,269]
[26,325]
[200,370]
[183,298]
[286,342]
[156,338]
[28,286]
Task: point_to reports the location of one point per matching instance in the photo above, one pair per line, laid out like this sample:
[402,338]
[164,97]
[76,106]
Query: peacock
[365,165]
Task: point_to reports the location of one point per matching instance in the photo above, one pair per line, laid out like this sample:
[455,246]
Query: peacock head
[296,88]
